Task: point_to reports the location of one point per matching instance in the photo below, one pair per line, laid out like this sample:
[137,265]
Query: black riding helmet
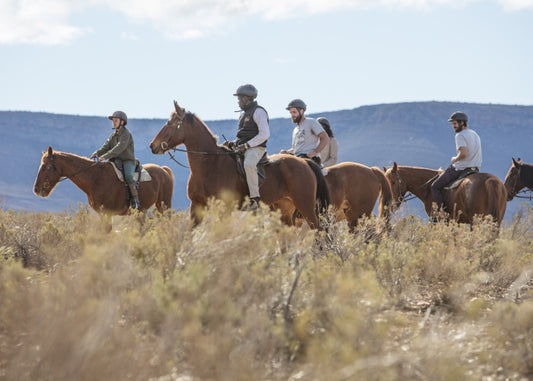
[458,115]
[297,103]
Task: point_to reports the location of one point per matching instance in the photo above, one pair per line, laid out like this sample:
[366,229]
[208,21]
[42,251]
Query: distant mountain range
[409,133]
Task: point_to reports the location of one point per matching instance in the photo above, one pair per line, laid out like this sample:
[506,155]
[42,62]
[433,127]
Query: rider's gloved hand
[229,144]
[242,147]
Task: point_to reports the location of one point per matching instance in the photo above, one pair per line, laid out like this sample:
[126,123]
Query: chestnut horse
[354,189]
[290,182]
[477,194]
[519,176]
[105,192]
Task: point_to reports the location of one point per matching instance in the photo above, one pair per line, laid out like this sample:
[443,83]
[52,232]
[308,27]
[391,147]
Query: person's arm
[261,119]
[103,149]
[462,153]
[333,152]
[324,140]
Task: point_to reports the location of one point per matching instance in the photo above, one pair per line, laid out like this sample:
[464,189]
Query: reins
[523,191]
[409,195]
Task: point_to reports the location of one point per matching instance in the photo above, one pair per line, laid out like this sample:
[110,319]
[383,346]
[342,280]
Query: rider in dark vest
[251,139]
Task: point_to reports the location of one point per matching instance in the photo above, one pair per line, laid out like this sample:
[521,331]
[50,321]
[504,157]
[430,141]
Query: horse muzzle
[159,149]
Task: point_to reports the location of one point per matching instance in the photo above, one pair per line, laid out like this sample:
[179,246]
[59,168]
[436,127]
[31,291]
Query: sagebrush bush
[243,297]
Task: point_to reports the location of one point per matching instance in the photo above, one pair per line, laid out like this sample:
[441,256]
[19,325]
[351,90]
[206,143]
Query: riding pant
[449,175]
[129,170]
[251,158]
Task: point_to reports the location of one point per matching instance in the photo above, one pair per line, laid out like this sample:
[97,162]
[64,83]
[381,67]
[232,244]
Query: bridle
[46,185]
[514,193]
[165,146]
[408,196]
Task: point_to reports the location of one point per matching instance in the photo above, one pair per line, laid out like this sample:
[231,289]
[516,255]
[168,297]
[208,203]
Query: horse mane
[526,174]
[67,155]
[192,118]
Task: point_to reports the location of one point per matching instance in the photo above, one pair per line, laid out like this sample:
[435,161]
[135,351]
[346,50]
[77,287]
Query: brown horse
[105,192]
[518,177]
[477,194]
[290,182]
[354,189]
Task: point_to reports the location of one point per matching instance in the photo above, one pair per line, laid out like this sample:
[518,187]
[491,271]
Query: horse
[290,182]
[354,189]
[105,192]
[477,194]
[518,177]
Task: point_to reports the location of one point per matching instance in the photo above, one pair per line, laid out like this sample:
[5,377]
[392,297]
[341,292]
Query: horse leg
[197,212]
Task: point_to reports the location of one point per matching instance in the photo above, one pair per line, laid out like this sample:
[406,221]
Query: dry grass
[243,297]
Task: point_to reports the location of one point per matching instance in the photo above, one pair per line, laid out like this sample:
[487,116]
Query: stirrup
[252,206]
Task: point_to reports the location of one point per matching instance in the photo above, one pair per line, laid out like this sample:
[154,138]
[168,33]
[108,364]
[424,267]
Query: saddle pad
[145,176]
[454,184]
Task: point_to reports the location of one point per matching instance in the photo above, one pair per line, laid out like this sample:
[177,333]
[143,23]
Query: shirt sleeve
[316,128]
[122,144]
[460,141]
[106,147]
[260,117]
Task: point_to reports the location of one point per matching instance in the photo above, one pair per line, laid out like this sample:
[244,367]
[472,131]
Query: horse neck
[526,176]
[418,181]
[73,167]
[200,139]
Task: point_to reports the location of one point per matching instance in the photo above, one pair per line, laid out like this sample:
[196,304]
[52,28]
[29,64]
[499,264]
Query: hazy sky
[90,57]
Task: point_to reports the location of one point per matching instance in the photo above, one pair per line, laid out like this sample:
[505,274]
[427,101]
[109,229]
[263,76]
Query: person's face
[116,122]
[296,114]
[457,125]
[243,101]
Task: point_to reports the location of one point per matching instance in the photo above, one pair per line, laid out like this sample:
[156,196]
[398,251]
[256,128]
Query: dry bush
[243,297]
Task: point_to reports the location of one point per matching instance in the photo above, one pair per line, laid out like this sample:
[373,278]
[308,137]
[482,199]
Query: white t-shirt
[469,139]
[305,136]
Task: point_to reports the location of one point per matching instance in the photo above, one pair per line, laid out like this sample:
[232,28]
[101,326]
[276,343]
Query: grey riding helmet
[323,121]
[248,90]
[297,103]
[458,115]
[119,114]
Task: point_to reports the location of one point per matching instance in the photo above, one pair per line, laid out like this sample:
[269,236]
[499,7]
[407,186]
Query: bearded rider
[251,139]
[120,145]
[468,146]
[308,136]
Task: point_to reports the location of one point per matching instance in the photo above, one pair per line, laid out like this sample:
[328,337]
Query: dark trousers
[316,159]
[449,175]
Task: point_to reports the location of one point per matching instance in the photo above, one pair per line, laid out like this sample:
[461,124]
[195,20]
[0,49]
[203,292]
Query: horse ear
[394,167]
[384,169]
[50,151]
[179,110]
[516,163]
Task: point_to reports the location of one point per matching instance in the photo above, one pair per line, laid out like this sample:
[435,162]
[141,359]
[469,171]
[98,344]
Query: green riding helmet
[323,121]
[297,103]
[458,115]
[248,90]
[121,115]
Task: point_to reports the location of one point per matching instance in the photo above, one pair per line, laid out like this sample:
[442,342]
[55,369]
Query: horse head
[48,175]
[512,182]
[173,132]
[398,186]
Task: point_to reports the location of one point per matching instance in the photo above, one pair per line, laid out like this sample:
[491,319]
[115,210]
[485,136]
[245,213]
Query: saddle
[464,173]
[140,174]
[261,174]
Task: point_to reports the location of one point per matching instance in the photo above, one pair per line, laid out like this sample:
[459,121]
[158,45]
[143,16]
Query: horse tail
[385,201]
[322,190]
[496,198]
[170,189]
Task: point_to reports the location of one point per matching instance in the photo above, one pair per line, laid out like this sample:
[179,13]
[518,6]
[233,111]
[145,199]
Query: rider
[120,145]
[329,154]
[308,136]
[251,139]
[468,145]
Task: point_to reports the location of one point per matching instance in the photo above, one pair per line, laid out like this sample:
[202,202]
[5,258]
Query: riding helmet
[297,103]
[458,115]
[248,90]
[121,115]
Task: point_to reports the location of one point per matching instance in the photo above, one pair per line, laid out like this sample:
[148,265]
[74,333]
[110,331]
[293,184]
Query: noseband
[164,145]
[50,166]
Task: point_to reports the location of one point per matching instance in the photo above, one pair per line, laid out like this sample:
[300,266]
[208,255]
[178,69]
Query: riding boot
[253,205]
[134,196]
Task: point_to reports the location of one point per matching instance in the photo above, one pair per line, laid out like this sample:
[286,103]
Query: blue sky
[90,57]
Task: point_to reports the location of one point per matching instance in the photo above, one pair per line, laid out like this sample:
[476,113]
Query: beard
[297,119]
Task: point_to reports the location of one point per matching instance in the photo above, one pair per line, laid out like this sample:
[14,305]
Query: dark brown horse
[290,182]
[477,194]
[518,177]
[106,194]
[354,189]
